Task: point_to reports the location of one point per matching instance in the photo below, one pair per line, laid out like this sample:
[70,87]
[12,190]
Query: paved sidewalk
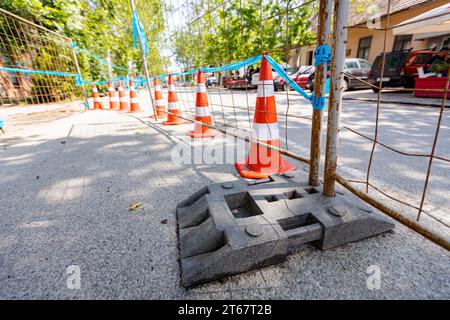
[65,190]
[6,111]
[399,97]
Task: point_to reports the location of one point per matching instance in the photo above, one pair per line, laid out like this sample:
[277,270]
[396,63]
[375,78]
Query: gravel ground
[66,187]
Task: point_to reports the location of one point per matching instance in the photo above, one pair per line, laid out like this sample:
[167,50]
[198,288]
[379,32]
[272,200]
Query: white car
[276,78]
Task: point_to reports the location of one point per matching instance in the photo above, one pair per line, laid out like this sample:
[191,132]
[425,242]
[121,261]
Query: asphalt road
[67,185]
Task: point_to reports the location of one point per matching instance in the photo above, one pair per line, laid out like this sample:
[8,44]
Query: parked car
[302,75]
[234,82]
[400,68]
[360,68]
[416,59]
[211,82]
[392,77]
[278,81]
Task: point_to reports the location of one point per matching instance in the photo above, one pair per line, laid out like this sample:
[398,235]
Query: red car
[231,83]
[300,77]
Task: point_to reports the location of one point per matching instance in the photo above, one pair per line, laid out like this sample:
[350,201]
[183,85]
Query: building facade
[365,39]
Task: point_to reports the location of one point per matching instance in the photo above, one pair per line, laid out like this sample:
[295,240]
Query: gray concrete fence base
[232,227]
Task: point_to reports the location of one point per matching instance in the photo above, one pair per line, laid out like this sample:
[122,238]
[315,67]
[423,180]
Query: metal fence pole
[335,98]
[75,59]
[144,64]
[319,90]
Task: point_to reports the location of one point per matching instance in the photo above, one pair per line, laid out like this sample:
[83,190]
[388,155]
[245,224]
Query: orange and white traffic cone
[134,102]
[159,101]
[113,103]
[96,96]
[202,112]
[262,161]
[173,105]
[123,103]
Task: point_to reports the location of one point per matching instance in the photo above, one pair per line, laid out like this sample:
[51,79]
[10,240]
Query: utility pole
[319,91]
[335,99]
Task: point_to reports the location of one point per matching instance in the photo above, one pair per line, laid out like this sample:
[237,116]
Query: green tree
[218,31]
[103,27]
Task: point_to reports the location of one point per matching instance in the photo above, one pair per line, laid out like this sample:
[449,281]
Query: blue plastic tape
[288,79]
[231,66]
[44,72]
[322,54]
[318,103]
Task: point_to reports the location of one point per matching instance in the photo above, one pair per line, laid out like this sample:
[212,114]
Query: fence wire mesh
[24,45]
[232,103]
[364,158]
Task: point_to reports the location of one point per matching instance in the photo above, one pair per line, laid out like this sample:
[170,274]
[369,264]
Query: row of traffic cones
[115,104]
[260,162]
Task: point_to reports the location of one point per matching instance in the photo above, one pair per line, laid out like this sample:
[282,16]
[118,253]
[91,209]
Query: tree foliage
[217,31]
[103,27]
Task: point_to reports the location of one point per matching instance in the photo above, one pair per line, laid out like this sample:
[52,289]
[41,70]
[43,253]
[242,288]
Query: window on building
[364,48]
[310,58]
[445,43]
[402,42]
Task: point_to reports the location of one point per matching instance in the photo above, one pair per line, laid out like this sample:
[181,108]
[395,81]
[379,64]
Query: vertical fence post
[323,33]
[77,66]
[335,98]
[144,65]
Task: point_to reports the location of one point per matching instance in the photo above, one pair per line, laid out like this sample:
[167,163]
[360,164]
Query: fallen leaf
[164,221]
[134,206]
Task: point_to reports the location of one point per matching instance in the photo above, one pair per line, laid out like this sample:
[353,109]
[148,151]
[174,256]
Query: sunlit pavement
[67,183]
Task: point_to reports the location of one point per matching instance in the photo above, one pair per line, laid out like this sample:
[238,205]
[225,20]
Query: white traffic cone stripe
[96,100]
[132,88]
[171,87]
[265,131]
[264,82]
[94,90]
[120,88]
[134,100]
[111,89]
[265,90]
[173,106]
[159,103]
[157,87]
[202,112]
[201,87]
[113,99]
[123,99]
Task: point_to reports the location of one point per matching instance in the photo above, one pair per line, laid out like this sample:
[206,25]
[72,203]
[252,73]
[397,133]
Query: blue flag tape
[322,54]
[138,31]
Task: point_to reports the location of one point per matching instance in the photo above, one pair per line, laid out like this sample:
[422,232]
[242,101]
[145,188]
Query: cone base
[174,122]
[159,117]
[206,134]
[247,173]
